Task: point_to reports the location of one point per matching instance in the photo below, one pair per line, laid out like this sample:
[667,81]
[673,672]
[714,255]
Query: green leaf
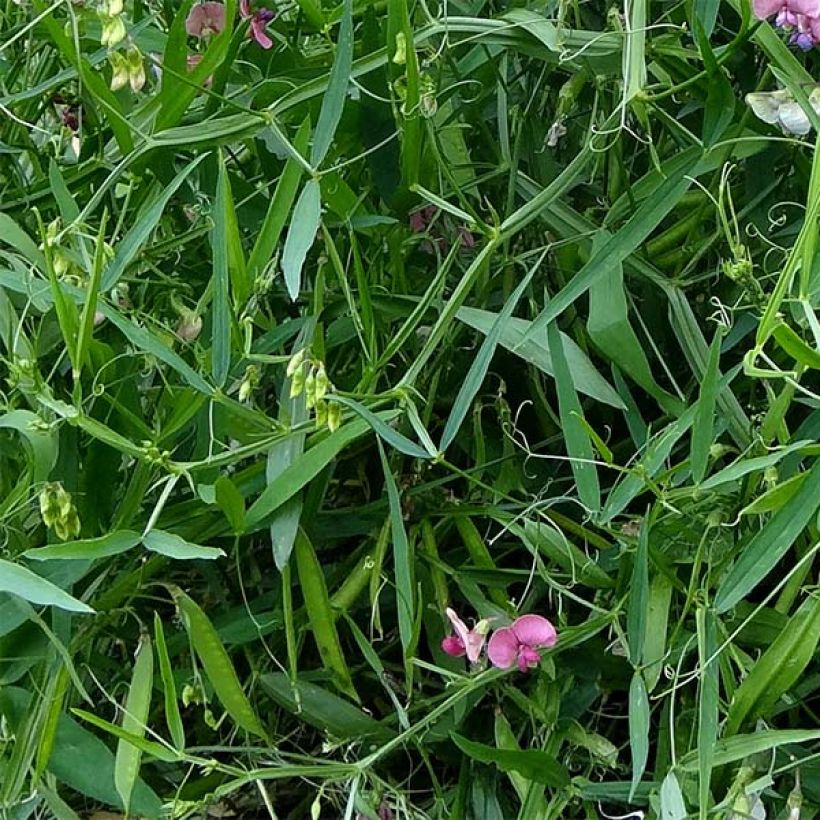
[89,549]
[578,444]
[323,710]
[333,100]
[481,362]
[221,329]
[280,204]
[639,719]
[173,719]
[585,377]
[778,668]
[231,502]
[137,705]
[142,226]
[532,764]
[301,235]
[40,440]
[304,469]
[322,622]
[703,425]
[172,546]
[763,552]
[738,747]
[611,332]
[646,218]
[402,559]
[30,587]
[80,760]
[639,596]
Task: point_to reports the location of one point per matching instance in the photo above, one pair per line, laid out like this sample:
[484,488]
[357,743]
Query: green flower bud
[334,416]
[322,382]
[321,414]
[295,362]
[136,69]
[310,388]
[114,7]
[297,383]
[113,31]
[119,70]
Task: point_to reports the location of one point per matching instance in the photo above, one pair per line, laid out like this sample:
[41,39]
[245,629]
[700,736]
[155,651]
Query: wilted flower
[189,326]
[520,642]
[466,641]
[205,19]
[780,108]
[259,21]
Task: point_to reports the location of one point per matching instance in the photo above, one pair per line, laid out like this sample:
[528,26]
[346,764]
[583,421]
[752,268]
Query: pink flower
[192,61]
[807,32]
[467,642]
[520,642]
[420,220]
[259,21]
[786,10]
[205,19]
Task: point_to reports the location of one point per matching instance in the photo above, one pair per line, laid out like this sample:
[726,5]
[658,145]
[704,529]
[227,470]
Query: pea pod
[172,717]
[217,664]
[137,704]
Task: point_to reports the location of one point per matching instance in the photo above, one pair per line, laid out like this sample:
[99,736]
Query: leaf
[137,705]
[673,806]
[173,719]
[742,467]
[324,710]
[384,430]
[231,502]
[88,549]
[217,664]
[146,220]
[778,668]
[578,444]
[770,544]
[172,546]
[736,748]
[30,587]
[42,442]
[402,558]
[611,332]
[80,760]
[532,764]
[703,425]
[649,214]
[12,234]
[301,235]
[322,622]
[333,100]
[638,729]
[639,597]
[221,329]
[481,362]
[585,377]
[708,700]
[304,469]
[280,204]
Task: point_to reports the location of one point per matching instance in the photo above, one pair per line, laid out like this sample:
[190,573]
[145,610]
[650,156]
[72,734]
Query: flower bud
[189,326]
[322,382]
[334,416]
[321,414]
[136,69]
[119,70]
[114,7]
[297,383]
[295,362]
[113,31]
[310,389]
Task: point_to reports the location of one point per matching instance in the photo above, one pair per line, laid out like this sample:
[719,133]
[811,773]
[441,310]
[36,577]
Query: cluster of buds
[58,511]
[308,376]
[127,69]
[113,26]
[249,383]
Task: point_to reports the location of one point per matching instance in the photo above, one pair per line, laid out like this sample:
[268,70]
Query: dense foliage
[318,321]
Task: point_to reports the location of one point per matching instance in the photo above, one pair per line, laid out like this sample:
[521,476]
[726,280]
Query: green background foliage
[504,306]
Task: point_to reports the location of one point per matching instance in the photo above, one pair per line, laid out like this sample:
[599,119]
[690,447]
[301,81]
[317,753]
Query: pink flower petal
[766,8]
[259,34]
[502,649]
[528,658]
[534,631]
[453,646]
[811,8]
[205,18]
[458,625]
[245,9]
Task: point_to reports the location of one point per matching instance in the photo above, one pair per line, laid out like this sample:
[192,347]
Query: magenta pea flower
[520,642]
[801,15]
[259,21]
[205,19]
[467,642]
